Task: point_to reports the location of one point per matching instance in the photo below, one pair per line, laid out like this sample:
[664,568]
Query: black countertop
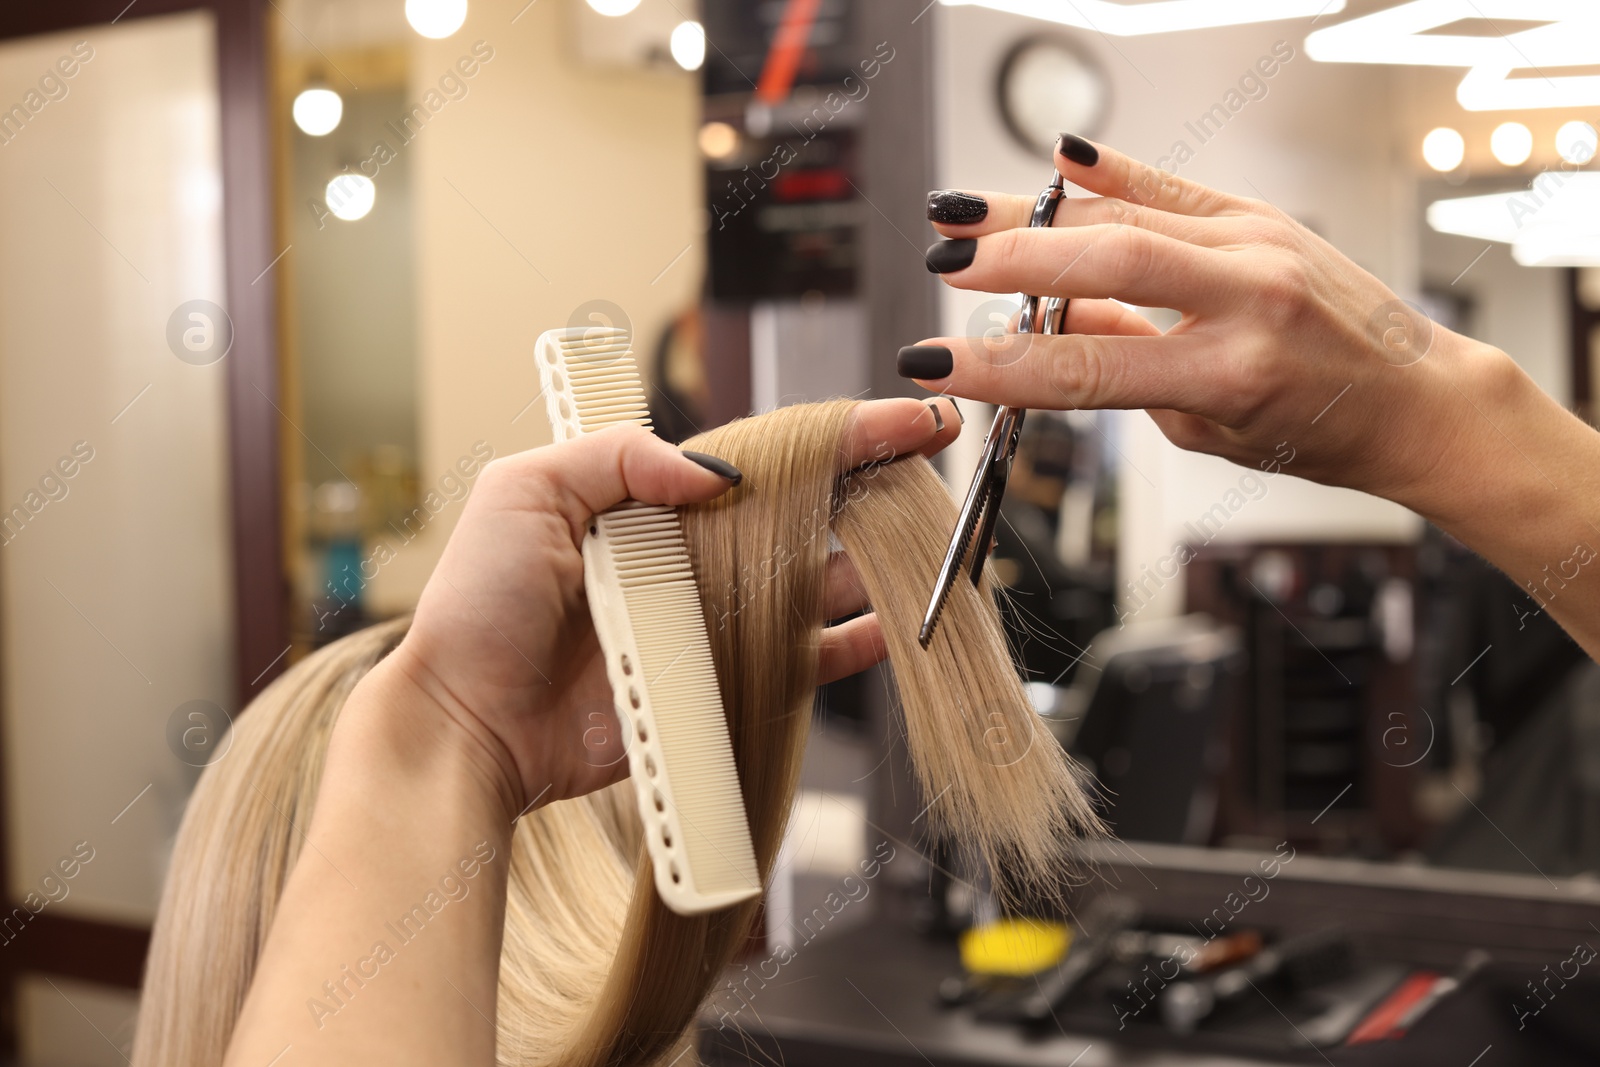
[869,995]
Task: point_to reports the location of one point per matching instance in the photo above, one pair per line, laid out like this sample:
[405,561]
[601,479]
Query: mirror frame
[112,953]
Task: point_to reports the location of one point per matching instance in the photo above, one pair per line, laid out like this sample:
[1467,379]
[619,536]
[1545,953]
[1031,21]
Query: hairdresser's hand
[1282,340]
[502,640]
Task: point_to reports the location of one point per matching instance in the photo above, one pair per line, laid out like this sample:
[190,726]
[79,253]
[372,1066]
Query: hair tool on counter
[981,510]
[1299,963]
[1093,945]
[646,610]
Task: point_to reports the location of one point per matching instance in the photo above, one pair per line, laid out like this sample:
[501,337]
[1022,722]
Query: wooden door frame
[1584,321]
[114,953]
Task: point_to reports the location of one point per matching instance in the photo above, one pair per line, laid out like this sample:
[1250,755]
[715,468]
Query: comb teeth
[646,609]
[592,379]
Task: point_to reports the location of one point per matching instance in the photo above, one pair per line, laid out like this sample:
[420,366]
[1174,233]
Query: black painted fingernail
[938,416]
[924,362]
[947,257]
[960,418]
[1078,150]
[958,208]
[720,467]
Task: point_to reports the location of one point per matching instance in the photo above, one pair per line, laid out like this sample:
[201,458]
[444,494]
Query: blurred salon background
[270,276]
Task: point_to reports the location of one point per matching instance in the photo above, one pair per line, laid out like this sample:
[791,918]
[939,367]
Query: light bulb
[1444,149]
[351,196]
[318,111]
[1511,143]
[718,140]
[689,45]
[1577,142]
[613,7]
[436,18]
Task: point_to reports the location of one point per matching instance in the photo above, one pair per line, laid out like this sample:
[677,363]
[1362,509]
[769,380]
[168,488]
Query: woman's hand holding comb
[502,644]
[496,701]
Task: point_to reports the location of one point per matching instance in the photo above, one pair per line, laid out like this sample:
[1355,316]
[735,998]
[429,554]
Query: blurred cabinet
[1329,741]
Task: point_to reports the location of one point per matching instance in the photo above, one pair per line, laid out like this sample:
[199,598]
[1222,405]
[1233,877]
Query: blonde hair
[594,969]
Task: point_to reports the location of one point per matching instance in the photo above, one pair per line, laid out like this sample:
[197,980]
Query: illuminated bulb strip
[1512,143]
[1444,149]
[1577,142]
[1158,16]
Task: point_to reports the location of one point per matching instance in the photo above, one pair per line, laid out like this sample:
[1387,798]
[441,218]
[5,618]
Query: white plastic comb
[646,610]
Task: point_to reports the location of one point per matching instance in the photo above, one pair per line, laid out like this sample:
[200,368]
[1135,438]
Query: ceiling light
[1444,149]
[1491,87]
[1511,143]
[689,45]
[718,140]
[436,18]
[1553,223]
[1406,35]
[1488,218]
[318,111]
[351,196]
[613,7]
[1569,246]
[1403,35]
[1577,142]
[1157,16]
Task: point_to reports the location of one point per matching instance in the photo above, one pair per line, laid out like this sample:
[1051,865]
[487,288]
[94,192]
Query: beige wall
[547,186]
[63,1023]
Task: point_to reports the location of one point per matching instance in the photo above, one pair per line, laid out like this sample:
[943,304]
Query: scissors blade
[999,475]
[971,511]
[980,511]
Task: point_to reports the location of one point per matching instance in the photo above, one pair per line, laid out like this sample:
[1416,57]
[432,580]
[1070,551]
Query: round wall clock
[1049,85]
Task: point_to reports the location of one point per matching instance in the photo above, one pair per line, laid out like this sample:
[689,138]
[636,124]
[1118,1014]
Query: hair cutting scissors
[981,510]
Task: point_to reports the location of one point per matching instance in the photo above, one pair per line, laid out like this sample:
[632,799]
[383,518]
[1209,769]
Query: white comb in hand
[646,610]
